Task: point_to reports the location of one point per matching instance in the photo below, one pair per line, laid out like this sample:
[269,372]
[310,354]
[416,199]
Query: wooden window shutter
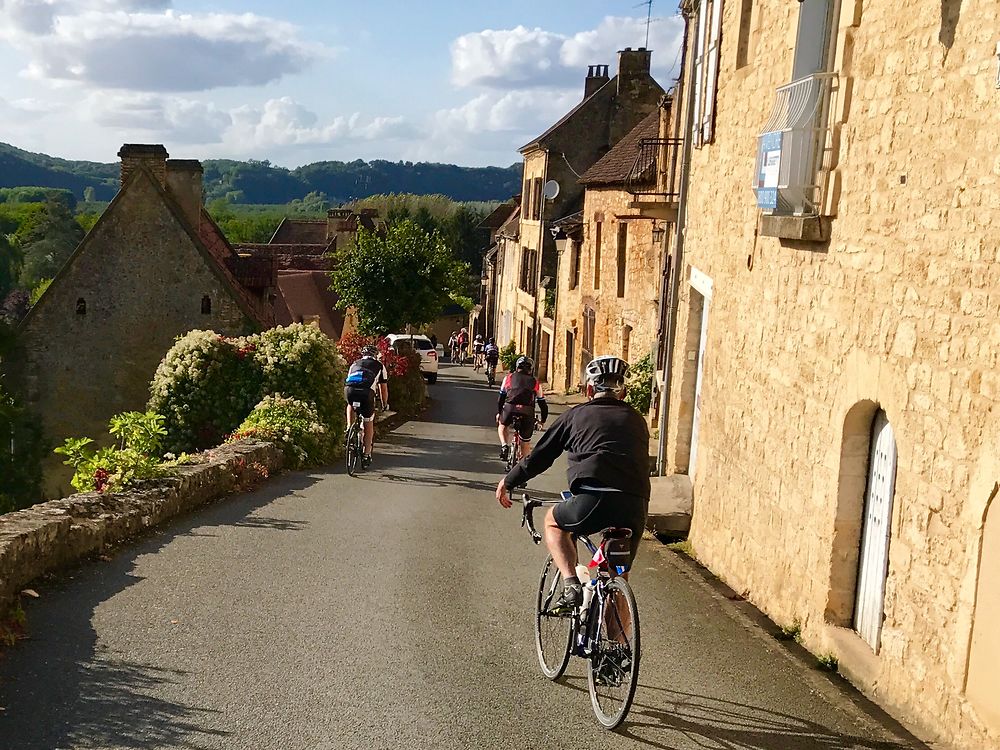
[712,72]
[698,78]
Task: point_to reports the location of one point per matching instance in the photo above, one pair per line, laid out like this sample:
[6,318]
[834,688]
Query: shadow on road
[726,725]
[60,689]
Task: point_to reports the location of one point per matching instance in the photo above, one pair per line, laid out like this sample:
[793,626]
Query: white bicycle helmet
[607,373]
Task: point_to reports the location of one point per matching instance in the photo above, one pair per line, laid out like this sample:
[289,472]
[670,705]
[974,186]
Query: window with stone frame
[622,256]
[589,324]
[206,305]
[574,267]
[81,306]
[597,254]
[705,70]
[529,269]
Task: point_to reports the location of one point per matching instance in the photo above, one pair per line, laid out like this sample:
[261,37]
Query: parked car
[422,346]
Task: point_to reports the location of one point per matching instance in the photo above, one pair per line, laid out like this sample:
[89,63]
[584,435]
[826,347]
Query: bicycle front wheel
[553,633]
[613,672]
[353,449]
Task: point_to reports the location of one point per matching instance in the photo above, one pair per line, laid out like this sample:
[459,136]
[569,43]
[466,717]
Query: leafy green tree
[38,291]
[49,243]
[21,451]
[10,264]
[405,277]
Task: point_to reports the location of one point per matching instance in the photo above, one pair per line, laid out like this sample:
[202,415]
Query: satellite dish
[551,190]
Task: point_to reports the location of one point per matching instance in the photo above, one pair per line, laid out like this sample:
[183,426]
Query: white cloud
[515,111]
[170,118]
[143,45]
[285,122]
[278,123]
[523,57]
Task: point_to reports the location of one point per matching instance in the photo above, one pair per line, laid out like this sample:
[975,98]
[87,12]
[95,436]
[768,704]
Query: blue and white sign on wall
[768,170]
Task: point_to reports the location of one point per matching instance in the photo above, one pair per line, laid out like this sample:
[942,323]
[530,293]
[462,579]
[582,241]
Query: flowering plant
[116,467]
[207,384]
[350,347]
[289,422]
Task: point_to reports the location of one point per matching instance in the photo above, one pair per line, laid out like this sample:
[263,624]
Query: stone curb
[54,534]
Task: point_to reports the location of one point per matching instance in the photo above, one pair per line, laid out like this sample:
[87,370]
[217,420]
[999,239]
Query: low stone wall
[54,534]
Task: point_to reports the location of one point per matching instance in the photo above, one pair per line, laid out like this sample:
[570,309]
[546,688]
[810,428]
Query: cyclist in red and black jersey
[519,393]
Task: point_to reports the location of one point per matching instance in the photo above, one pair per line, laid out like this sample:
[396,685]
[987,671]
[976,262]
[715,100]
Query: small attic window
[81,306]
[206,305]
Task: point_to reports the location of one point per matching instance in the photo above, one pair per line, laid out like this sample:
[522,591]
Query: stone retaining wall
[54,534]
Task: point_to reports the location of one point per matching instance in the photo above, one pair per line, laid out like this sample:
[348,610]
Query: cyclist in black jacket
[608,445]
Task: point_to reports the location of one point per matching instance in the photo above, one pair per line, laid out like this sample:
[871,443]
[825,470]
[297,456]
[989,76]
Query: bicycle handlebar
[527,517]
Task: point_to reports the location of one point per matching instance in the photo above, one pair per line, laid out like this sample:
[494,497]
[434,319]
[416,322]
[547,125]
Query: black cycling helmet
[607,373]
[369,351]
[524,364]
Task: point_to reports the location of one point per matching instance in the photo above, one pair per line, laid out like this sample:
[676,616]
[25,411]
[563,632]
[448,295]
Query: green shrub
[301,362]
[22,448]
[135,457]
[204,387]
[639,391]
[207,385]
[508,356]
[408,392]
[292,424]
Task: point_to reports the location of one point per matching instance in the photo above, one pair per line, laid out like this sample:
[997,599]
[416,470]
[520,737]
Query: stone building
[154,267]
[611,107]
[300,250]
[610,260]
[501,223]
[835,373]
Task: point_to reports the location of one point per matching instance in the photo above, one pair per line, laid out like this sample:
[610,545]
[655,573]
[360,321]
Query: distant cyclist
[519,393]
[363,377]
[491,355]
[477,351]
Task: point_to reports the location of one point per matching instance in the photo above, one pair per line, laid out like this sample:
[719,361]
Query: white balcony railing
[791,145]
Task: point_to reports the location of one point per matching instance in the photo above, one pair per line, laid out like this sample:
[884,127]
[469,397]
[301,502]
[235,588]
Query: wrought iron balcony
[791,145]
[655,171]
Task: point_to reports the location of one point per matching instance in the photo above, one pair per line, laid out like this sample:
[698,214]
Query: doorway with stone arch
[863,526]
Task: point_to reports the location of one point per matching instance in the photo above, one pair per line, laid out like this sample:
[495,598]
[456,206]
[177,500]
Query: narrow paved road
[387,611]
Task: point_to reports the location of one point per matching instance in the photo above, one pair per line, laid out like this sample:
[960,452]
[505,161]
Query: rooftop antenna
[649,17]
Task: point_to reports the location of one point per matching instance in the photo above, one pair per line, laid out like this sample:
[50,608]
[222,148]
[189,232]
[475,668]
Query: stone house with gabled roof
[153,267]
[611,107]
[608,283]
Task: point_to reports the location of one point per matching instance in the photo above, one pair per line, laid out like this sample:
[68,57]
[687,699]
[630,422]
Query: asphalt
[392,610]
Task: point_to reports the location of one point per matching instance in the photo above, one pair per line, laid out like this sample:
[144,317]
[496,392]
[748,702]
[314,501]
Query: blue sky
[303,80]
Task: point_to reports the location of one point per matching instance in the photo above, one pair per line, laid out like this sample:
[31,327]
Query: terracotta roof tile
[300,232]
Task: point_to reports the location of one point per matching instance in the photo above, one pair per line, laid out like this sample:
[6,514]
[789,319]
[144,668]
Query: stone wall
[624,326]
[89,348]
[897,311]
[52,535]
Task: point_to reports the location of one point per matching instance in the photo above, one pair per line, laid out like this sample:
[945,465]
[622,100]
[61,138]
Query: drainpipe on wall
[536,326]
[668,336]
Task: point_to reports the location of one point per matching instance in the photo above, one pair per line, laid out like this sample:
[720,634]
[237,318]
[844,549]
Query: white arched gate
[873,564]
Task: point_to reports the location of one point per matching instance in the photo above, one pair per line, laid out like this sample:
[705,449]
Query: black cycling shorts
[363,396]
[592,512]
[522,419]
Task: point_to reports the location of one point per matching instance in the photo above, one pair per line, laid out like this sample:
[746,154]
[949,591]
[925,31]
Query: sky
[309,80]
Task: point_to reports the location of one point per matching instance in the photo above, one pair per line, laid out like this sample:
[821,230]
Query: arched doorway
[873,558]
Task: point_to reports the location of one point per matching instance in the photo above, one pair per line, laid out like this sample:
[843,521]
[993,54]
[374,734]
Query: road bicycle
[604,630]
[491,373]
[458,355]
[477,361]
[514,445]
[355,448]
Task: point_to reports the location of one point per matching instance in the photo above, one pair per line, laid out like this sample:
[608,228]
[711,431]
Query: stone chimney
[597,76]
[184,183]
[633,67]
[339,220]
[149,155]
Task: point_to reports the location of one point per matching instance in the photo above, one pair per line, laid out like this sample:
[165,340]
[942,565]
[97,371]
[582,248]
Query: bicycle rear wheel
[613,671]
[353,449]
[553,633]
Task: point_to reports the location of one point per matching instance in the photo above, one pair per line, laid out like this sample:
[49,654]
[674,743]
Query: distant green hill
[261,182]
